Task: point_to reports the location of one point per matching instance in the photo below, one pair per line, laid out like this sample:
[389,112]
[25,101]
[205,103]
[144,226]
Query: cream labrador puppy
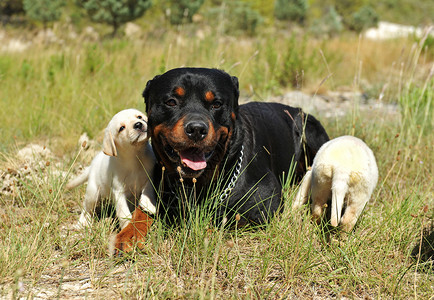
[344,170]
[121,171]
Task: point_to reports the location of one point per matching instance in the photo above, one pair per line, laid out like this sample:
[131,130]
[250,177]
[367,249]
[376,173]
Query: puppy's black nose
[196,130]
[138,125]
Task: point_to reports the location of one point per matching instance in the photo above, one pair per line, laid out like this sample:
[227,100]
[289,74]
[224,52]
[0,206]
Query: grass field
[51,94]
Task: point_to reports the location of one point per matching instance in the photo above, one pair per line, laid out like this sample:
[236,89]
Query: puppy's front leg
[147,199]
[122,210]
[121,201]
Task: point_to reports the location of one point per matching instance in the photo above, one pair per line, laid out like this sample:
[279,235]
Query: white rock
[132,30]
[387,30]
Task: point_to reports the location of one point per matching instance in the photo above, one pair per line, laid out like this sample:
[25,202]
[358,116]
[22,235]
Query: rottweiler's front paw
[133,235]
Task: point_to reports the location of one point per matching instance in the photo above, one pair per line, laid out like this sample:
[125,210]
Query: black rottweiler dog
[202,137]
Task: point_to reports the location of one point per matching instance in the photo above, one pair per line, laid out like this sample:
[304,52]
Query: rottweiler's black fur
[198,130]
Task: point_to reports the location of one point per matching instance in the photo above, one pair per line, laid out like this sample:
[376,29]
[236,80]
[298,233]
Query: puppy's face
[127,129]
[192,113]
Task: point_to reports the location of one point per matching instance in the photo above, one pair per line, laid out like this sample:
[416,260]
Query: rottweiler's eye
[217,104]
[171,102]
[122,128]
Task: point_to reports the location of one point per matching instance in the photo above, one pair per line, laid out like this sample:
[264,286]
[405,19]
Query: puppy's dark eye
[139,117]
[171,102]
[217,104]
[122,128]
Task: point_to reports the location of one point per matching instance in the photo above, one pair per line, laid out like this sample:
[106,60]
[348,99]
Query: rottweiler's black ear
[236,86]
[145,93]
[236,90]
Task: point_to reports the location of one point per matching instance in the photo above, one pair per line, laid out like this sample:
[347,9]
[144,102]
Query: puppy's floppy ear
[108,144]
[145,93]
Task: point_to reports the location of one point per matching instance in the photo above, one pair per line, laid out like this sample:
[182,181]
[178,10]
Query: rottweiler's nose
[138,125]
[196,130]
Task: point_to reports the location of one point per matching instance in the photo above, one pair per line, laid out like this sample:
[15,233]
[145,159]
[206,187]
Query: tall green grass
[51,95]
[61,92]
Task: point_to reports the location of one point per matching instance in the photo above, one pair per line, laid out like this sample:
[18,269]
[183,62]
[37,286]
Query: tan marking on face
[161,129]
[222,133]
[158,130]
[209,96]
[173,134]
[180,91]
[178,130]
[233,117]
[211,136]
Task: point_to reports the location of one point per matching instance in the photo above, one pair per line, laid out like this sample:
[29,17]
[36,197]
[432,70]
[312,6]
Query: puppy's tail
[339,190]
[79,180]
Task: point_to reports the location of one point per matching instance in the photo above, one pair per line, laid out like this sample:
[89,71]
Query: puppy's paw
[133,235]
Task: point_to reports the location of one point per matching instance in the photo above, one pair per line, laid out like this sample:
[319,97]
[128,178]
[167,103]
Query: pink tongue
[193,160]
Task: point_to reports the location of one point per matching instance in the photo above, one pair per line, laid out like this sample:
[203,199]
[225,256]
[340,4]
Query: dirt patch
[33,162]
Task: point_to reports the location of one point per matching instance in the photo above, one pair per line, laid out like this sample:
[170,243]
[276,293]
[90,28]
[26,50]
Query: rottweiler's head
[191,118]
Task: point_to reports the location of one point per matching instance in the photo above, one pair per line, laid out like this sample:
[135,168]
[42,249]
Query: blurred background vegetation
[80,61]
[248,16]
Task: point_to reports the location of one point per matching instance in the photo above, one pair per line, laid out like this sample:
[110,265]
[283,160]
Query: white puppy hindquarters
[344,171]
[121,171]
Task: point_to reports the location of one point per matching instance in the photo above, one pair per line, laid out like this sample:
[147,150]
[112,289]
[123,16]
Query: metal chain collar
[234,178]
